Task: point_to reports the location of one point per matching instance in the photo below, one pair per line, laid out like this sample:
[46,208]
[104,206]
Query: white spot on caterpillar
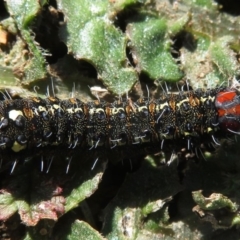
[209,129]
[116,110]
[92,111]
[142,108]
[73,110]
[181,102]
[13,114]
[42,109]
[161,106]
[70,110]
[96,110]
[18,147]
[117,142]
[207,98]
[55,106]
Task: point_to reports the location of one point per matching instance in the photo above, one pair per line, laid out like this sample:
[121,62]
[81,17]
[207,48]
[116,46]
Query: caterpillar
[182,119]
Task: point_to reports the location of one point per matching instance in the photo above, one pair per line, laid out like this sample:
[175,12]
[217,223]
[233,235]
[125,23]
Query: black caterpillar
[183,119]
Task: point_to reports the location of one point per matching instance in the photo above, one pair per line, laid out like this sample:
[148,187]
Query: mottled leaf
[91,36]
[80,231]
[151,47]
[24,13]
[35,195]
[143,192]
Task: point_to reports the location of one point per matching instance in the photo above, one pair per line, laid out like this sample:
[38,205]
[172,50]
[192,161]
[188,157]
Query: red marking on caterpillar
[228,107]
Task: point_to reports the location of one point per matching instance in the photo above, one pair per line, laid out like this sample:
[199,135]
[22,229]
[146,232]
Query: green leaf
[143,192]
[24,13]
[224,57]
[214,202]
[150,45]
[7,78]
[208,4]
[91,36]
[87,185]
[31,204]
[81,231]
[37,196]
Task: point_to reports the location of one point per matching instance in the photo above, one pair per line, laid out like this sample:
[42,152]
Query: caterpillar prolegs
[185,119]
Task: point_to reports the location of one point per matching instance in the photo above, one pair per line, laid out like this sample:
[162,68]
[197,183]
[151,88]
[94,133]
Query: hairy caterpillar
[183,119]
